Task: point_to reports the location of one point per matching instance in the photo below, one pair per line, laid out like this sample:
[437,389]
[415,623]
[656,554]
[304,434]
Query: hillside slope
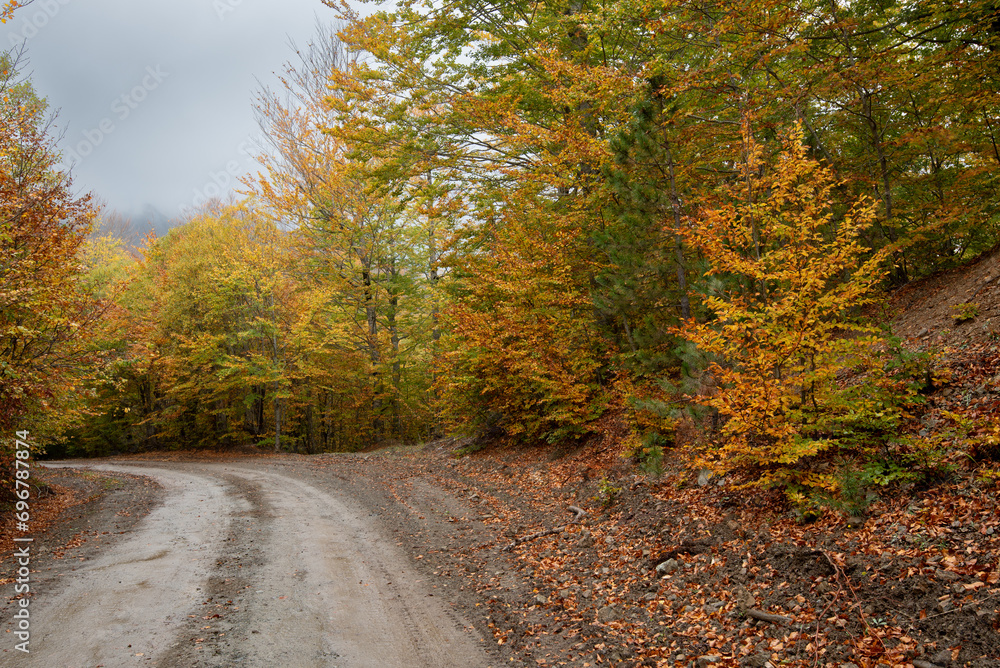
[924,311]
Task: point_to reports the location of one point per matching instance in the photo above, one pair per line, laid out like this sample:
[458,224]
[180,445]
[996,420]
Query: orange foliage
[789,271]
[44,313]
[524,348]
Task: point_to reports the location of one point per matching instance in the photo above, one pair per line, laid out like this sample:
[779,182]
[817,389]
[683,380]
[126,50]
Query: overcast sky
[155,97]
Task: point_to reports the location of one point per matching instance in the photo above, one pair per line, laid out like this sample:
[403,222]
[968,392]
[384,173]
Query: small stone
[669,566]
[705,661]
[855,522]
[942,658]
[744,599]
[758,660]
[703,477]
[944,606]
[607,614]
[541,599]
[585,540]
[948,576]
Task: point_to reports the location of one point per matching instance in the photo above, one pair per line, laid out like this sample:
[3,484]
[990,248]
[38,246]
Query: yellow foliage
[790,273]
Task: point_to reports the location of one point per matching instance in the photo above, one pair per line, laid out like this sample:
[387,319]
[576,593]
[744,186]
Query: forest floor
[574,557]
[917,581]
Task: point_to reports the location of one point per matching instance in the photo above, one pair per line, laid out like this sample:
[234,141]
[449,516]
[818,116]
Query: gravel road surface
[243,566]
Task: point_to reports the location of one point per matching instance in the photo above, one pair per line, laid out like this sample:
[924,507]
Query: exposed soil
[953,309]
[918,580]
[240,565]
[79,514]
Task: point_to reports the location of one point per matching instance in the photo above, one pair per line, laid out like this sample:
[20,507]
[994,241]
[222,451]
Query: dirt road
[244,566]
[198,560]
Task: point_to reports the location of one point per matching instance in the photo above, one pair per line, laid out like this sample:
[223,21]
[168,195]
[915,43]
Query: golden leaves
[778,337]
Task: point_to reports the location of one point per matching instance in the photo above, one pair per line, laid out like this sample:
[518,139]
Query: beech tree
[789,273]
[370,245]
[8,7]
[499,212]
[45,314]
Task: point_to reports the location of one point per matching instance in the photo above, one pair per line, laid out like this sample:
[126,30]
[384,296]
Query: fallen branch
[578,515]
[961,608]
[762,616]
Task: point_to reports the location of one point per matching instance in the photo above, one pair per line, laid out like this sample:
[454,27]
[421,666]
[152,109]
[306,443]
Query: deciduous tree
[789,273]
[45,314]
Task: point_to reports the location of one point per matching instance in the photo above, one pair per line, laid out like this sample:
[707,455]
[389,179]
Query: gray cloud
[157,93]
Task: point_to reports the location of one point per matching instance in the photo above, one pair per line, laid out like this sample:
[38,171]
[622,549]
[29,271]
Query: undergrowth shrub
[800,378]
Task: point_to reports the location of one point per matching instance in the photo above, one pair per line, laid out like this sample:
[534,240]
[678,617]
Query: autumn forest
[673,220]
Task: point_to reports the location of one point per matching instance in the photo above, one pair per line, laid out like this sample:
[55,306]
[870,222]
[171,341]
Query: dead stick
[842,577]
[819,620]
[578,512]
[762,616]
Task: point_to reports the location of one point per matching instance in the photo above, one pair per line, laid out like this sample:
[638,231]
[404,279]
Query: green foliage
[641,289]
[922,458]
[607,492]
[519,220]
[649,453]
[964,312]
[651,418]
[891,470]
[914,459]
[852,494]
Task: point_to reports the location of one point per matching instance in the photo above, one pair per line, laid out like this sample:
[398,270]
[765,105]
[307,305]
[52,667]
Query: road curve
[241,566]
